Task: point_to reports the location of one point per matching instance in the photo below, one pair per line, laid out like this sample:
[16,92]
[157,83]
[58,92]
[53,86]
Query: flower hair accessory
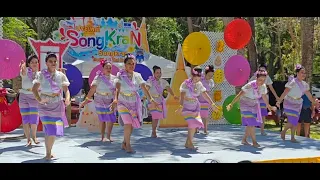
[195,72]
[261,73]
[131,56]
[298,66]
[102,62]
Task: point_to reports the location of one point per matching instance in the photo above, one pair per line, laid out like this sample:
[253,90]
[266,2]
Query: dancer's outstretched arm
[182,96]
[273,91]
[310,97]
[236,99]
[285,92]
[209,100]
[89,95]
[265,99]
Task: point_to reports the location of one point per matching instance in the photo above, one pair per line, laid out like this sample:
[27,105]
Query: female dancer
[189,108]
[250,105]
[104,88]
[264,111]
[51,107]
[292,103]
[156,85]
[208,83]
[27,103]
[128,100]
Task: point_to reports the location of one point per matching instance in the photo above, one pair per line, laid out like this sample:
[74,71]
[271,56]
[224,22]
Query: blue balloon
[74,76]
[144,71]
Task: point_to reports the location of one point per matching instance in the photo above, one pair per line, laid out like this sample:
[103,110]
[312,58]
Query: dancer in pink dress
[27,102]
[156,85]
[103,86]
[207,82]
[292,104]
[250,105]
[189,108]
[128,101]
[52,110]
[264,111]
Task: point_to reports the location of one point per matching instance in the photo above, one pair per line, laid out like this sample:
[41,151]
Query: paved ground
[222,144]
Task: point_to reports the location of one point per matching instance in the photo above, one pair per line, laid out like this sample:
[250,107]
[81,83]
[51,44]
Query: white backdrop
[225,87]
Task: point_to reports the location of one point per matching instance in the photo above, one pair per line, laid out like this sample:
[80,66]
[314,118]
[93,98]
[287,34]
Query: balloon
[237,34]
[93,74]
[233,116]
[144,71]
[74,75]
[237,70]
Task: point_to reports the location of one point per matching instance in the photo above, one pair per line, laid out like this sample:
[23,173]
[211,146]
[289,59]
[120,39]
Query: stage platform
[222,144]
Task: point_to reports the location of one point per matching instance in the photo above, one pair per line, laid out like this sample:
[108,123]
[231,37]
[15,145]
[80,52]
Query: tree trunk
[307,35]
[252,50]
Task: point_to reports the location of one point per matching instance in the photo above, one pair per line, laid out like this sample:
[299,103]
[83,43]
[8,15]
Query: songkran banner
[92,39]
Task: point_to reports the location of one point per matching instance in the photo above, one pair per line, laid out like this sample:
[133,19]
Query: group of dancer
[41,96]
[254,103]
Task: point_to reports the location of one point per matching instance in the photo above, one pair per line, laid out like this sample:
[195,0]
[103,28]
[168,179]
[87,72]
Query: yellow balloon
[218,76]
[217,115]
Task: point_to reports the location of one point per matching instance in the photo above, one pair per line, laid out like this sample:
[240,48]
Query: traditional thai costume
[263,106]
[27,103]
[204,105]
[129,102]
[191,104]
[292,103]
[52,113]
[250,104]
[156,91]
[104,96]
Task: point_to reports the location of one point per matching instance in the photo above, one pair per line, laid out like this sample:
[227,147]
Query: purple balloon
[144,71]
[75,77]
[237,70]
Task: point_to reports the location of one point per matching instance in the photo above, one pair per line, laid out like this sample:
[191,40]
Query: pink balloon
[93,74]
[237,70]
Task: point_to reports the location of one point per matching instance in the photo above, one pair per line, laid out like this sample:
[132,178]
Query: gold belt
[128,94]
[28,89]
[190,99]
[294,98]
[104,93]
[51,95]
[155,95]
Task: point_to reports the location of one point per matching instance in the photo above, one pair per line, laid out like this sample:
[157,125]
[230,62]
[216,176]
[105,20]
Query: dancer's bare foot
[283,136]
[206,133]
[294,140]
[123,146]
[104,139]
[154,134]
[256,145]
[245,142]
[190,146]
[35,140]
[29,143]
[264,133]
[109,139]
[49,157]
[129,149]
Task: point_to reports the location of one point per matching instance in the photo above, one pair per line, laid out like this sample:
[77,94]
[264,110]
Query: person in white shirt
[292,104]
[27,103]
[103,86]
[156,85]
[264,111]
[250,106]
[51,106]
[128,101]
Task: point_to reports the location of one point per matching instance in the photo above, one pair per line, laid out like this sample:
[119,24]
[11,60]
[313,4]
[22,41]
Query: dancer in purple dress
[156,85]
[189,108]
[51,106]
[103,86]
[264,111]
[207,82]
[292,104]
[250,105]
[128,101]
[27,102]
